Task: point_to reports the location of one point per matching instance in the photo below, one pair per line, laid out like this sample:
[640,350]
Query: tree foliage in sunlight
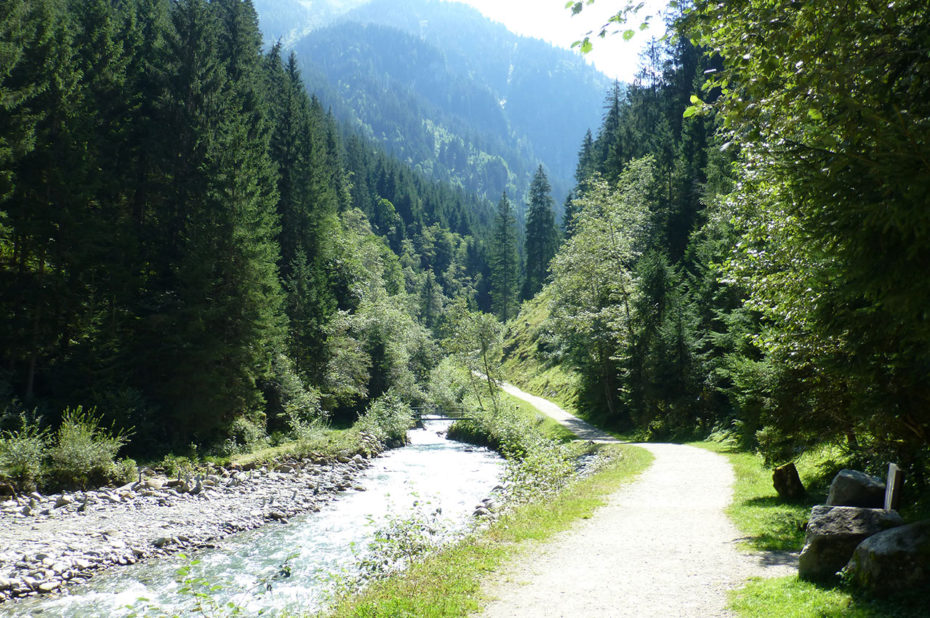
[830,105]
[593,272]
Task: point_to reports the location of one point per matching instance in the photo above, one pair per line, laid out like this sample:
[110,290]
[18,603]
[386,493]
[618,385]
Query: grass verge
[449,583]
[547,426]
[525,360]
[771,524]
[327,443]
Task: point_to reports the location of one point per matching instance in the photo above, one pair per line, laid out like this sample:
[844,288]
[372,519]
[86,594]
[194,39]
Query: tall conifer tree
[542,237]
[504,262]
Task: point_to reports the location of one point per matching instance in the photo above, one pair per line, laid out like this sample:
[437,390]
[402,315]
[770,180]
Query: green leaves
[832,206]
[585,45]
[697,106]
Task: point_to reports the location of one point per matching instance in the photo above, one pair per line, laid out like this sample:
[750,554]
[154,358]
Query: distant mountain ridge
[450,92]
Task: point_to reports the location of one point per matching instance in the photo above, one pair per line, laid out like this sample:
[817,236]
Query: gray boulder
[833,533]
[894,560]
[854,488]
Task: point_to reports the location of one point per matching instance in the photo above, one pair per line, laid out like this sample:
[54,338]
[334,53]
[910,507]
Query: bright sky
[551,21]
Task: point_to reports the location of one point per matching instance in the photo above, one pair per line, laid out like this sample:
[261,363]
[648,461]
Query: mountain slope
[450,92]
[548,94]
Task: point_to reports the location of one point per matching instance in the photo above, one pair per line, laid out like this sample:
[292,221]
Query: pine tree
[218,290]
[610,144]
[21,30]
[307,207]
[40,290]
[504,263]
[541,234]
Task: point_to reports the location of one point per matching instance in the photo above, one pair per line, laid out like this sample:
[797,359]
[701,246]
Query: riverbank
[52,543]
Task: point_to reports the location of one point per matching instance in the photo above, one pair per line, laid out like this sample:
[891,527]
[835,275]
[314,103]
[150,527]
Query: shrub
[544,469]
[177,465]
[536,465]
[387,418]
[448,384]
[503,430]
[125,471]
[84,453]
[22,453]
[246,434]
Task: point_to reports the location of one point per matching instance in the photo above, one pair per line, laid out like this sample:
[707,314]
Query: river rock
[893,561]
[854,488]
[48,586]
[787,482]
[63,500]
[833,534]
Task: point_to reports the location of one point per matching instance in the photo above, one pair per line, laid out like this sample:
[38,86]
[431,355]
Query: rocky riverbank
[49,543]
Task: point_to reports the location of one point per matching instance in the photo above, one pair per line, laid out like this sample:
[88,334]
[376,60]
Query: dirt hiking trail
[661,546]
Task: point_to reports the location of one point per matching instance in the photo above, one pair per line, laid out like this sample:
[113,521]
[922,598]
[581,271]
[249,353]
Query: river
[430,473]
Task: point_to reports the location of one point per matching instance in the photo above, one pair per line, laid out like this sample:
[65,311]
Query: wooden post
[893,487]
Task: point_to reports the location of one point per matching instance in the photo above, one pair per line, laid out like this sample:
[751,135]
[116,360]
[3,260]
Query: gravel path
[582,429]
[662,546]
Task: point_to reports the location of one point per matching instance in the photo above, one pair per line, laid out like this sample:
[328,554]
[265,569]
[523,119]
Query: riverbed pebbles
[49,543]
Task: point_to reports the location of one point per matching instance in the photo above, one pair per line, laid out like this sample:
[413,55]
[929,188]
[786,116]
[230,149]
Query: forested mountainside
[456,95]
[286,21]
[188,245]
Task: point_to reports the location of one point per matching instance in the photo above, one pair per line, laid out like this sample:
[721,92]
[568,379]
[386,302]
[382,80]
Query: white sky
[551,21]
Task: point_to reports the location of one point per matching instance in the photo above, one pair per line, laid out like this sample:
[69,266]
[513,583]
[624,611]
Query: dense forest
[747,242]
[190,246]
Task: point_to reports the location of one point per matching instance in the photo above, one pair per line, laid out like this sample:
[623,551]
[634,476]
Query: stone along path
[662,546]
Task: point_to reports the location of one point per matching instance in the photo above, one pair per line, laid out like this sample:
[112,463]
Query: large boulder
[893,561]
[833,533]
[787,482]
[854,488]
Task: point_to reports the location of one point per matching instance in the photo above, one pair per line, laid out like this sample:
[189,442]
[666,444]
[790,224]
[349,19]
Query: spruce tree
[220,296]
[307,207]
[40,290]
[504,262]
[541,234]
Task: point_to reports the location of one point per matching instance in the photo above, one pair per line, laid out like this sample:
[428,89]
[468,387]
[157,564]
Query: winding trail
[661,546]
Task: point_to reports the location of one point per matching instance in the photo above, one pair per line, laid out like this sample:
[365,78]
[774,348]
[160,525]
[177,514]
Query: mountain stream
[293,567]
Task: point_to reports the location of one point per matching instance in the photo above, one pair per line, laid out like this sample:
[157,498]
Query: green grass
[329,442]
[772,524]
[449,583]
[525,364]
[789,597]
[549,428]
